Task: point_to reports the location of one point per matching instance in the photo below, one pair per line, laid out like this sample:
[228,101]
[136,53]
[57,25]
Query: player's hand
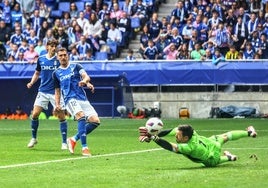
[29,85]
[143,131]
[144,139]
[82,83]
[91,87]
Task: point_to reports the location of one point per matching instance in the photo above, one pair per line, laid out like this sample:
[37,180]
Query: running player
[69,82]
[198,148]
[46,64]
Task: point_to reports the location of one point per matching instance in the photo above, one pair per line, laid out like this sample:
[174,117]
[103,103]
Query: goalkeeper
[197,148]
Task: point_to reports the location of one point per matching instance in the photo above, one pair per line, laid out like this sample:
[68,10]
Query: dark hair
[53,42]
[186,130]
[61,49]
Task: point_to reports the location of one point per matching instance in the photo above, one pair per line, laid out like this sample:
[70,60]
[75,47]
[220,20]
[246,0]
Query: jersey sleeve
[80,68]
[38,66]
[56,80]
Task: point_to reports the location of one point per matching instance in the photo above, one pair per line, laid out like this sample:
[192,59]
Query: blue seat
[101,56]
[64,6]
[80,5]
[56,14]
[135,23]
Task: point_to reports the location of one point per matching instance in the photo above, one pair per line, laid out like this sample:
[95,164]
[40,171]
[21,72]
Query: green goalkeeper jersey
[201,149]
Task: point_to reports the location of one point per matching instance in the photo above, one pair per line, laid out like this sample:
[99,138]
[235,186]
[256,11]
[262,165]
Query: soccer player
[69,82]
[46,64]
[197,148]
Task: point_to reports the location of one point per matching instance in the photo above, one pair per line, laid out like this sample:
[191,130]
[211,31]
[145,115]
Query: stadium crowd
[195,29]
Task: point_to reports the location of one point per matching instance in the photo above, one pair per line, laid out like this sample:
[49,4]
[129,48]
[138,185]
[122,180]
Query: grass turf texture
[116,162]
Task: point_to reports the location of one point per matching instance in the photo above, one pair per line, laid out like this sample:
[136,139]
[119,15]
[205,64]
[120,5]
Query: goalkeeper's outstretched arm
[165,144]
[170,132]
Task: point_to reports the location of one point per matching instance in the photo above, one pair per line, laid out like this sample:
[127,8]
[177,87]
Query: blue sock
[82,131]
[63,130]
[89,128]
[34,125]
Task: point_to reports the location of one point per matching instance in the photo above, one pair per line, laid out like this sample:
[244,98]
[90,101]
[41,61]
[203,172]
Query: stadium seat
[101,56]
[80,5]
[64,6]
[56,14]
[135,23]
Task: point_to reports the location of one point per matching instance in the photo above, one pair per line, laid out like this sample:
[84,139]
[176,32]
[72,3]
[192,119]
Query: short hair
[53,42]
[187,130]
[62,49]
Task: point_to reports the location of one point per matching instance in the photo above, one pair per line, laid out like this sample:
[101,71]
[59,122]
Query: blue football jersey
[67,80]
[46,67]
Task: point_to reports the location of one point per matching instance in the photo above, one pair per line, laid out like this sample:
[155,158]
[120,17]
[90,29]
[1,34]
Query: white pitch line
[104,155]
[77,158]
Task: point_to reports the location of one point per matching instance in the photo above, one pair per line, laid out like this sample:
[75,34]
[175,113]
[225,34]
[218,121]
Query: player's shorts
[42,100]
[74,106]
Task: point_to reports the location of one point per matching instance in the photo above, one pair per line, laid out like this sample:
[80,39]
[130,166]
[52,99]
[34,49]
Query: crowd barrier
[111,77]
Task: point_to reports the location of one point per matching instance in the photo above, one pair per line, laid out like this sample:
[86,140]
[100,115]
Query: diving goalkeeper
[197,148]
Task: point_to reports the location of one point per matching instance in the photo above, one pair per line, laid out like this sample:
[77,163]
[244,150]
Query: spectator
[17,37]
[32,39]
[27,8]
[62,38]
[6,13]
[97,5]
[89,55]
[183,52]
[82,21]
[74,33]
[151,51]
[230,18]
[24,46]
[214,21]
[187,31]
[240,33]
[217,57]
[2,52]
[26,30]
[103,11]
[144,38]
[232,53]
[138,10]
[124,25]
[36,20]
[116,13]
[198,53]
[88,10]
[40,48]
[93,30]
[66,21]
[249,51]
[127,6]
[16,15]
[255,41]
[263,46]
[73,11]
[82,47]
[49,36]
[252,24]
[208,55]
[20,114]
[114,38]
[20,57]
[44,11]
[5,32]
[30,55]
[219,7]
[176,38]
[41,33]
[161,43]
[193,41]
[154,27]
[13,52]
[179,13]
[222,38]
[201,28]
[130,56]
[74,56]
[209,45]
[56,25]
[171,52]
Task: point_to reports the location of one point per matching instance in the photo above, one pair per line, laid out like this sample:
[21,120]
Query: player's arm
[85,81]
[165,144]
[57,91]
[34,79]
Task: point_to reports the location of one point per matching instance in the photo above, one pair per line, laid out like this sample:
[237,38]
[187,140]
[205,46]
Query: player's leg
[41,102]
[62,120]
[75,109]
[235,135]
[34,125]
[93,121]
[227,156]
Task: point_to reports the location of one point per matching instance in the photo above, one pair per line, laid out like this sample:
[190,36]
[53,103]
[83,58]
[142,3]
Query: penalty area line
[77,158]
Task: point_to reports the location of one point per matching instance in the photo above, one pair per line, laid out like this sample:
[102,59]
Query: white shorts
[74,106]
[42,100]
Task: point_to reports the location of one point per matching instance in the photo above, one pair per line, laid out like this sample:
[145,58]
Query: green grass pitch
[119,160]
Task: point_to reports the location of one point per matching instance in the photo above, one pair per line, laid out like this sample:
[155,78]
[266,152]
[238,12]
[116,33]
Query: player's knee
[94,119]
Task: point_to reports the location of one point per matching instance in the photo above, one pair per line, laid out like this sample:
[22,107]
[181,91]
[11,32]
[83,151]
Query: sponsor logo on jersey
[67,76]
[48,67]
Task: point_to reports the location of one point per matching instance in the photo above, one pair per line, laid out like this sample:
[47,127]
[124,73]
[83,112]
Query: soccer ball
[154,126]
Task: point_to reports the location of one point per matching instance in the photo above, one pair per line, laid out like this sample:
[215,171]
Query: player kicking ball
[197,148]
[69,81]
